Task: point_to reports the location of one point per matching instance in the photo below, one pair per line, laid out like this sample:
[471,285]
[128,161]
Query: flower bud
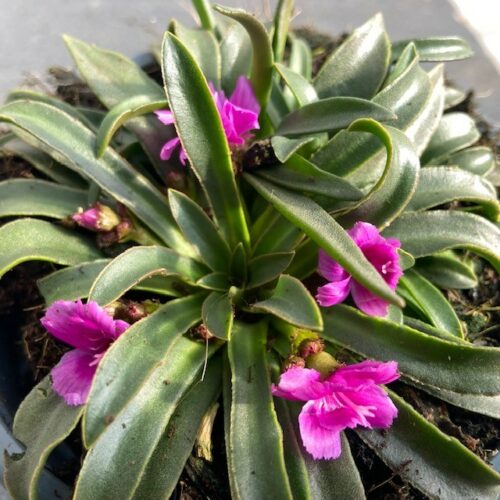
[296,361]
[98,217]
[309,347]
[323,363]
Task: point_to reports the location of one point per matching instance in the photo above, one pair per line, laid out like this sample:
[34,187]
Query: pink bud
[99,218]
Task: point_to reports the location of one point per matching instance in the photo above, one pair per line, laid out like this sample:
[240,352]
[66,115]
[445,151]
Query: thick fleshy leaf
[214,281]
[262,58]
[358,67]
[204,11]
[285,147]
[281,22]
[433,462]
[134,358]
[120,113]
[39,435]
[256,466]
[453,96]
[217,315]
[236,56]
[408,55]
[203,46]
[436,49]
[300,59]
[267,267]
[456,131]
[431,302]
[441,185]
[238,269]
[300,174]
[332,113]
[200,231]
[446,270]
[37,197]
[114,78]
[302,90]
[327,233]
[71,143]
[305,261]
[200,130]
[426,360]
[167,462]
[478,160]
[426,233]
[130,440]
[138,263]
[44,163]
[397,183]
[30,239]
[292,302]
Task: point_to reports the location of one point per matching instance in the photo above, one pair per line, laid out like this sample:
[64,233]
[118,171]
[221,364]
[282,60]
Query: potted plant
[247,255]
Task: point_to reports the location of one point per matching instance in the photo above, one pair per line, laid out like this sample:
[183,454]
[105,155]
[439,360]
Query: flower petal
[300,384]
[165,116]
[368,302]
[329,268]
[383,410]
[168,148]
[244,120]
[72,376]
[243,96]
[365,373]
[363,233]
[84,326]
[333,293]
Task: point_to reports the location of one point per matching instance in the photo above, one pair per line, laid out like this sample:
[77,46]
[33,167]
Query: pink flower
[89,329]
[348,398]
[239,115]
[97,218]
[383,255]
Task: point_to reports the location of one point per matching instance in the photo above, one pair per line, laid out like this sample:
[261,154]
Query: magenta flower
[89,329]
[383,255]
[97,218]
[348,398]
[239,115]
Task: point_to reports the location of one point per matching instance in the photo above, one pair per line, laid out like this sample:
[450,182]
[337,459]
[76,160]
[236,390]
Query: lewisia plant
[285,234]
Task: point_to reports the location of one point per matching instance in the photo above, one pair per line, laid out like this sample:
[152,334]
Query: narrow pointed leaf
[302,90]
[236,56]
[37,197]
[204,11]
[426,233]
[478,160]
[200,231]
[201,133]
[257,466]
[300,59]
[238,266]
[453,96]
[30,239]
[433,462]
[267,267]
[217,315]
[133,359]
[327,233]
[407,56]
[292,302]
[436,49]
[358,67]
[281,23]
[40,436]
[214,281]
[285,147]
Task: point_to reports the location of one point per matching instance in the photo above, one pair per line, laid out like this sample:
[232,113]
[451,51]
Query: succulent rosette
[280,252]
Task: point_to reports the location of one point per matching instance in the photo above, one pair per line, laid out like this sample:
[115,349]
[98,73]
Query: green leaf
[281,23]
[130,440]
[425,360]
[238,271]
[161,475]
[453,96]
[138,263]
[135,359]
[406,260]
[456,131]
[200,231]
[71,143]
[305,261]
[214,281]
[327,233]
[300,174]
[37,197]
[114,78]
[446,270]
[30,239]
[441,185]
[431,302]
[332,113]
[262,58]
[285,147]
[120,113]
[433,462]
[358,67]
[302,90]
[292,302]
[426,233]
[267,267]
[256,466]
[204,11]
[300,59]
[408,55]
[217,315]
[204,48]
[236,56]
[39,435]
[200,130]
[478,160]
[397,183]
[436,49]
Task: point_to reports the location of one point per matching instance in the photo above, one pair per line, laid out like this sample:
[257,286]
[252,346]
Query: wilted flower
[90,330]
[382,253]
[98,217]
[239,114]
[348,398]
